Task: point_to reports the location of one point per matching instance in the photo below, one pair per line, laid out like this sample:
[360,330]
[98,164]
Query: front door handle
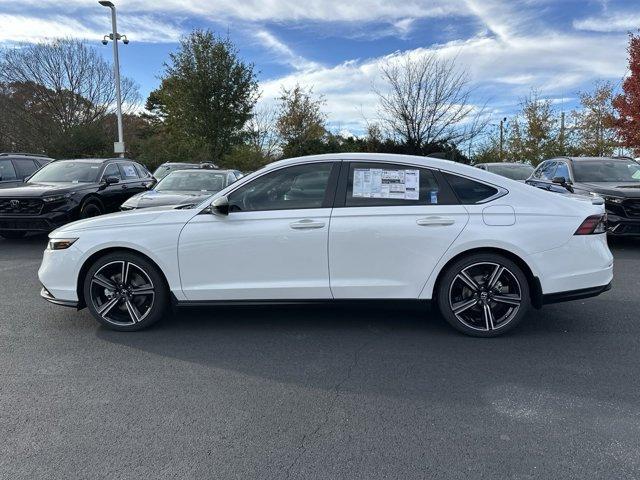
[306,224]
[435,221]
[124,187]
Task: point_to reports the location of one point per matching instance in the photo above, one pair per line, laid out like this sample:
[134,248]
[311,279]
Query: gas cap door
[499,215]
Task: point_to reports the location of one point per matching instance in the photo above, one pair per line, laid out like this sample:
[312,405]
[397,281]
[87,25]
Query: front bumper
[35,223]
[622,226]
[48,296]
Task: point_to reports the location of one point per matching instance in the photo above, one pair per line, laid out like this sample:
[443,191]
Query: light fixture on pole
[118,147]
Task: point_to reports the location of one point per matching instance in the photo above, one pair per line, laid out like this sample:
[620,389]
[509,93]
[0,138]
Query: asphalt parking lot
[318,392]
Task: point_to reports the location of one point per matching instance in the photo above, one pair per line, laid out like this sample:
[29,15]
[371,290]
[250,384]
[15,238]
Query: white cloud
[285,53]
[615,22]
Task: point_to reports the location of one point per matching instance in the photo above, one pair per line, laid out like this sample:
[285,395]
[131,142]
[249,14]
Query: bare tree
[261,132]
[72,83]
[427,100]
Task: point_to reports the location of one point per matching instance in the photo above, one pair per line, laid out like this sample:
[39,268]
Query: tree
[426,100]
[534,133]
[595,121]
[206,96]
[300,122]
[54,93]
[627,103]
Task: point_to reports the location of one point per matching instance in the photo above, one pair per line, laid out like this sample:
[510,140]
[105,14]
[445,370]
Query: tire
[90,209]
[464,295]
[12,234]
[133,304]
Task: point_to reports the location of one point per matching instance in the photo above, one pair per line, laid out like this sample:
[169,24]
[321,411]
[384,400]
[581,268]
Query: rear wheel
[12,234]
[126,292]
[484,295]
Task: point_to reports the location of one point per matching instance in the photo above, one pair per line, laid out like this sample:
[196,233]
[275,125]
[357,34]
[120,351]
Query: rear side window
[385,184]
[24,167]
[469,191]
[7,171]
[128,171]
[142,171]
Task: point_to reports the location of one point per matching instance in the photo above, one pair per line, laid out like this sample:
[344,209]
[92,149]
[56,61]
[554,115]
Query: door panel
[280,254]
[389,252]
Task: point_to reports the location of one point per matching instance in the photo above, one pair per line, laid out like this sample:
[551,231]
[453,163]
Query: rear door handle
[124,187]
[435,221]
[306,224]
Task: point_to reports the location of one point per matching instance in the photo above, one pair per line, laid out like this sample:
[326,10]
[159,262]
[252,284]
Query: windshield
[514,172]
[606,171]
[68,171]
[164,170]
[192,181]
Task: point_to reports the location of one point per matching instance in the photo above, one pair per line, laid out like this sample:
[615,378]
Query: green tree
[301,123]
[206,97]
[595,122]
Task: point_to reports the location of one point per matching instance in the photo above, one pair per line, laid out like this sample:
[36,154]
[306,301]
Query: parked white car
[340,227]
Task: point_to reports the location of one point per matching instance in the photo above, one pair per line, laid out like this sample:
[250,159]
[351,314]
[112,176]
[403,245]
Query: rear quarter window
[470,191]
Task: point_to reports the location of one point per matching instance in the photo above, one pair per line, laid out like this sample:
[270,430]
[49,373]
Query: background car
[512,170]
[67,190]
[340,227]
[182,187]
[615,179]
[168,167]
[15,167]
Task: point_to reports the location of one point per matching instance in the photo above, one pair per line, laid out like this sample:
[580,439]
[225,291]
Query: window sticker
[382,183]
[129,171]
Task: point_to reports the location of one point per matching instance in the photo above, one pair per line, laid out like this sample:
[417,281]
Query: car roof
[96,160]
[592,159]
[204,170]
[509,164]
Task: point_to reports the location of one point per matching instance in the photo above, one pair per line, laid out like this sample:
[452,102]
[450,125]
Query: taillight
[592,225]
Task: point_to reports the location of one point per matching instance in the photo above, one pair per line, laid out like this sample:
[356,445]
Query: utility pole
[502,137]
[118,147]
[562,152]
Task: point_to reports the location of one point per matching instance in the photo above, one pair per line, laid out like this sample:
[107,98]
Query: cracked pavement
[321,392]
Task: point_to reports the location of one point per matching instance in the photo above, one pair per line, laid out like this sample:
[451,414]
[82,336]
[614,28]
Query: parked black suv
[15,167]
[67,190]
[617,180]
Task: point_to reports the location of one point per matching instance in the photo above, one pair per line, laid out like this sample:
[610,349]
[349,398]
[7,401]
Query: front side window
[7,171]
[296,187]
[469,191]
[24,167]
[562,171]
[549,171]
[112,170]
[70,171]
[385,184]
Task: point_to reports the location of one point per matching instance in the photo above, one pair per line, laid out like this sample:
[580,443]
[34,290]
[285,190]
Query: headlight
[60,243]
[612,199]
[55,198]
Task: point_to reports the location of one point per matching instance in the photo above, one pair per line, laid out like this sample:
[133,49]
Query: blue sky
[558,47]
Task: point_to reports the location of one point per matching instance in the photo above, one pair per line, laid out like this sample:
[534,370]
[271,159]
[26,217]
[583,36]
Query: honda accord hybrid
[341,227]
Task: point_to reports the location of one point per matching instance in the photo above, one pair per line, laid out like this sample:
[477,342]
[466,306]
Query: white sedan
[335,228]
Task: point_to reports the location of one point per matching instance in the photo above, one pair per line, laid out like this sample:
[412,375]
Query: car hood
[112,220]
[615,189]
[43,189]
[155,199]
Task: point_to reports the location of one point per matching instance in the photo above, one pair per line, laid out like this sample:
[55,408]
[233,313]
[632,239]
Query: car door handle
[306,224]
[435,221]
[123,187]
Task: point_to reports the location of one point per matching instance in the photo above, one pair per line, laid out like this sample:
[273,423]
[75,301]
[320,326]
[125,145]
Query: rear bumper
[574,294]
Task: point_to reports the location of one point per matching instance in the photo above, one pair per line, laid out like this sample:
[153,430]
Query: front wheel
[125,292]
[484,295]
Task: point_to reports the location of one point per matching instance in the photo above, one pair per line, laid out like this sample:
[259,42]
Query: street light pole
[502,136]
[118,147]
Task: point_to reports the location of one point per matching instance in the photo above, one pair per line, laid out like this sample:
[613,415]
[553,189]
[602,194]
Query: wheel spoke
[495,276]
[103,281]
[488,317]
[509,300]
[133,310]
[471,283]
[465,305]
[125,273]
[143,290]
[108,306]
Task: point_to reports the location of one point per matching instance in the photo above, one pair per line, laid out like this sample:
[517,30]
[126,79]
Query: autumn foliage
[628,103]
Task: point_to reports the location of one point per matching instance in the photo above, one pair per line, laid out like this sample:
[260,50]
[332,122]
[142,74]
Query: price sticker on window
[384,183]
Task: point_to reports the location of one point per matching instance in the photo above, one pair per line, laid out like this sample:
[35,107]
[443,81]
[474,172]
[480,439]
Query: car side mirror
[562,181]
[111,180]
[220,206]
